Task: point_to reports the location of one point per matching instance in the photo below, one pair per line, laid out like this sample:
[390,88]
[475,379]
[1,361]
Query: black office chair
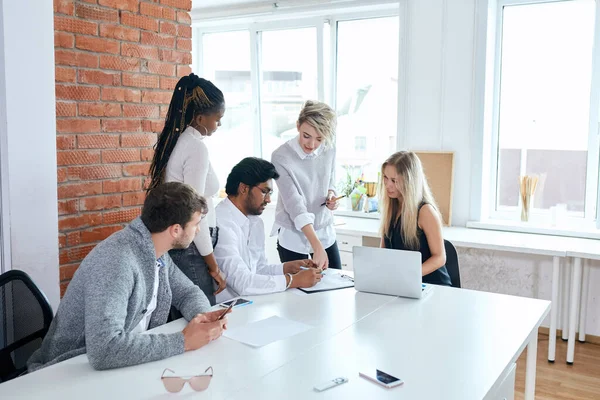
[25,317]
[452,263]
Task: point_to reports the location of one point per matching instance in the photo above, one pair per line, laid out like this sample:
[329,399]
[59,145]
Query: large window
[545,126]
[268,70]
[226,62]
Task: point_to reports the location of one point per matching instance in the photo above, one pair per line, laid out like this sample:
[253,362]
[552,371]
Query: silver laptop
[387,271]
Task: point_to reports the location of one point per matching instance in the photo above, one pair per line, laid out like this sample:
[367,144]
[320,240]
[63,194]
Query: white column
[585,285]
[530,367]
[554,309]
[575,292]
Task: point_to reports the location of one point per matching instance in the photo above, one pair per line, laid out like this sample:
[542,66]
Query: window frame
[589,218]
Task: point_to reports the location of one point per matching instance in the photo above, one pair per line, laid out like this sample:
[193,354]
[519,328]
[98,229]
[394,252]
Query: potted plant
[346,186]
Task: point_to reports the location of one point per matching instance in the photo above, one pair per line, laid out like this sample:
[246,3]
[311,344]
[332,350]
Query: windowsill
[540,229]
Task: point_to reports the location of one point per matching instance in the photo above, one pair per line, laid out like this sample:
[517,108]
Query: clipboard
[332,280]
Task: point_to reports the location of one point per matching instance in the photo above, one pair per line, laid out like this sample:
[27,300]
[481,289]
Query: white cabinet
[506,389]
[346,260]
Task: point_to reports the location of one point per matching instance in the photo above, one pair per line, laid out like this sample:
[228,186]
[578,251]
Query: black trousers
[333,253]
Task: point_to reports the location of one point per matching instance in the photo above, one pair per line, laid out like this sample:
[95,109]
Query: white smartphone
[384,379]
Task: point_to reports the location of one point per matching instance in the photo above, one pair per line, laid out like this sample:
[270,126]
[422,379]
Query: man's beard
[254,210]
[181,244]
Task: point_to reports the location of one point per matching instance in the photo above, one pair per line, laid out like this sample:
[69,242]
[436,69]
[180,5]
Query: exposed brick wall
[117,62]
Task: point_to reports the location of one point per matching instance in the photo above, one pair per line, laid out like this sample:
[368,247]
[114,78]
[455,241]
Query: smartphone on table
[227,309]
[237,303]
[384,379]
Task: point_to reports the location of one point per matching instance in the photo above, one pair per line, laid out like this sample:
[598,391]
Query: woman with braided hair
[180,155]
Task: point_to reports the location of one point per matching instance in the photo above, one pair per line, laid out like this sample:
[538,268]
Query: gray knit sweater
[303,186]
[107,299]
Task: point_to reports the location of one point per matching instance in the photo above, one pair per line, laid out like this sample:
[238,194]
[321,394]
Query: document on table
[331,280]
[263,332]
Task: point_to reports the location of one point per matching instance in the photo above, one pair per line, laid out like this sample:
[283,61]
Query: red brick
[73,238]
[97,141]
[140,80]
[71,190]
[97,45]
[139,21]
[153,126]
[99,109]
[139,51]
[63,74]
[140,169]
[94,172]
[147,154]
[119,63]
[129,5]
[184,17]
[68,206]
[65,142]
[155,97]
[100,78]
[146,183]
[184,44]
[120,155]
[61,175]
[138,140]
[99,234]
[116,217]
[183,70]
[78,93]
[169,13]
[122,95]
[168,28]
[133,199]
[77,125]
[119,32]
[173,56]
[96,13]
[75,254]
[163,111]
[66,109]
[75,59]
[122,185]
[62,240]
[168,83]
[151,10]
[64,7]
[100,202]
[184,31]
[155,67]
[121,125]
[75,25]
[77,157]
[63,288]
[183,4]
[63,39]
[67,271]
[140,111]
[158,39]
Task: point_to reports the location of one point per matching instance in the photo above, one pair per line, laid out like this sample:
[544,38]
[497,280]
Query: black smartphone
[227,309]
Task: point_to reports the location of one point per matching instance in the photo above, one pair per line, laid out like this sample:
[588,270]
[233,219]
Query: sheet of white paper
[331,280]
[266,331]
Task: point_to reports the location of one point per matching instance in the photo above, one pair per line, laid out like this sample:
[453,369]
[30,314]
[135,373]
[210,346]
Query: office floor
[559,381]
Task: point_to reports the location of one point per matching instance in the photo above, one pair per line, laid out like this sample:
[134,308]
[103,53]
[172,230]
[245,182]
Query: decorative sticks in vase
[527,187]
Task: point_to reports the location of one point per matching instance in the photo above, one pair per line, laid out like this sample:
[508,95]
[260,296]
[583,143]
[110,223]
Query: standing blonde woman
[306,165]
[410,219]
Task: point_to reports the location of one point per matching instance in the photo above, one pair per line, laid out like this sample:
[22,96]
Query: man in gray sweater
[127,284]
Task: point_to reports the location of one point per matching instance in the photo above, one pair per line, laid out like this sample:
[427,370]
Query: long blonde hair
[321,117]
[414,190]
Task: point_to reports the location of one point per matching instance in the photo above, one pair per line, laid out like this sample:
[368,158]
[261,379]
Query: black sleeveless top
[395,241]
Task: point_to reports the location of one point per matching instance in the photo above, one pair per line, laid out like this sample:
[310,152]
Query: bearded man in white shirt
[240,251]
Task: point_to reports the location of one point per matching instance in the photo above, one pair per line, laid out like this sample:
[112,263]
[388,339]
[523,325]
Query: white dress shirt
[294,239]
[240,253]
[189,163]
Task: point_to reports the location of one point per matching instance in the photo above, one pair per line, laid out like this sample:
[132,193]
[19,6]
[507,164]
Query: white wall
[442,112]
[28,140]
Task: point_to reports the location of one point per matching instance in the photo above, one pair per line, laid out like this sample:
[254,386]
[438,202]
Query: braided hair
[192,96]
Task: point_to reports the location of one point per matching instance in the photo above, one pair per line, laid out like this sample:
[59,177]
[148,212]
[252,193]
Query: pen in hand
[334,199]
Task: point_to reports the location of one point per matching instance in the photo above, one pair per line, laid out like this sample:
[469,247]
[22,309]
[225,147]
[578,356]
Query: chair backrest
[25,316]
[452,263]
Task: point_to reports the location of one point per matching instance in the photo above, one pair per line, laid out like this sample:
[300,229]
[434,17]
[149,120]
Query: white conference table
[466,339]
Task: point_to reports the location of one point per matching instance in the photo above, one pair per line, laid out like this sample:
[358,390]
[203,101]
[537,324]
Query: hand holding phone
[384,379]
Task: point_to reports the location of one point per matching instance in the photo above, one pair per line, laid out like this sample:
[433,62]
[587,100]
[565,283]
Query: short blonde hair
[321,117]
